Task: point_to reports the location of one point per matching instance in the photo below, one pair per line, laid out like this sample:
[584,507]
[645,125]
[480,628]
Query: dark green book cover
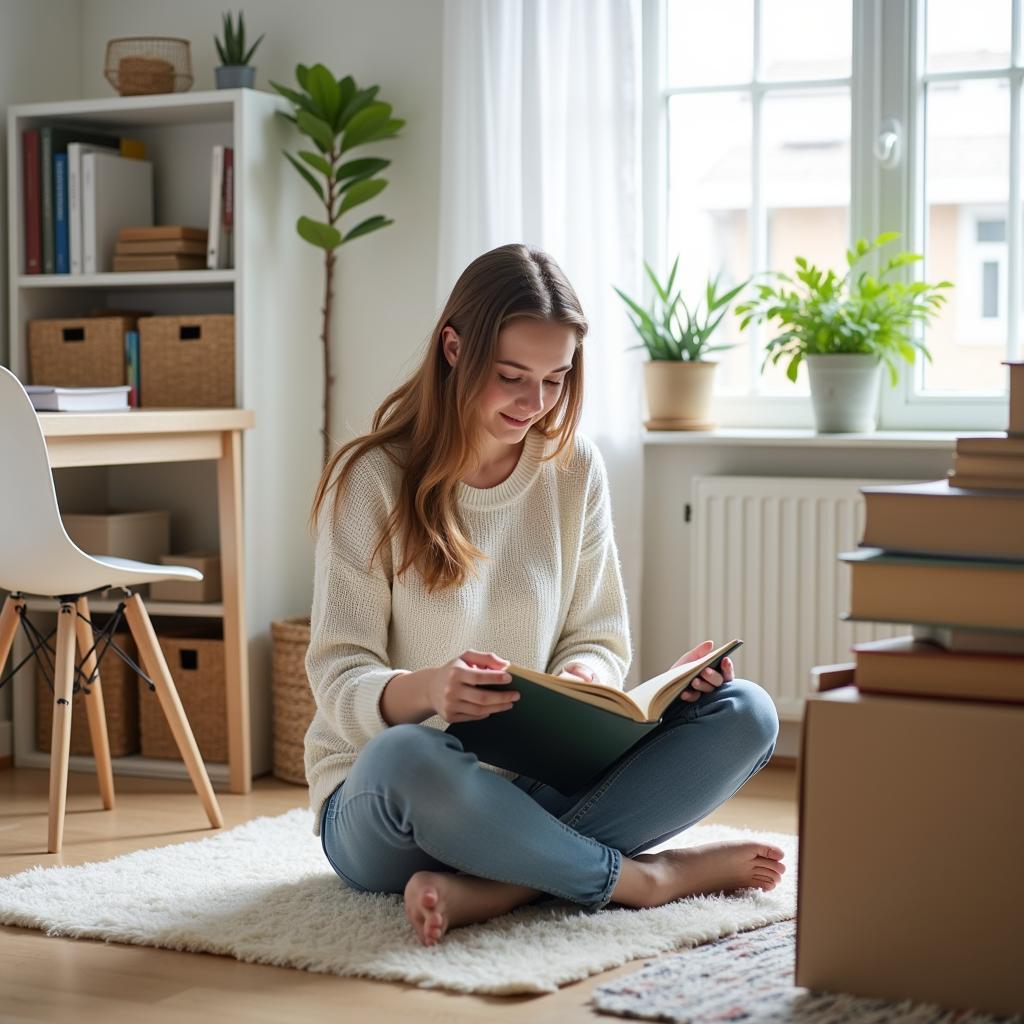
[550,737]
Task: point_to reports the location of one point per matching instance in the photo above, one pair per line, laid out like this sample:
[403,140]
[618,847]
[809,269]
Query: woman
[469,529]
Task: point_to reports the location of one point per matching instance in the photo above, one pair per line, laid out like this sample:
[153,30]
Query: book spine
[62,252]
[131,362]
[88,214]
[132,148]
[228,207]
[30,198]
[46,194]
[213,233]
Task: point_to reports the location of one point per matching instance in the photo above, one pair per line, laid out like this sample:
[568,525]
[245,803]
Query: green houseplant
[336,116]
[845,328]
[235,71]
[678,380]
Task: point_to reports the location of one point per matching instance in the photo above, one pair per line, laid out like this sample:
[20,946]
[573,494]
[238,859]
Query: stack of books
[47,398]
[164,247]
[948,558]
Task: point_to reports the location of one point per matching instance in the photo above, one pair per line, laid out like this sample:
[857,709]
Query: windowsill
[786,438]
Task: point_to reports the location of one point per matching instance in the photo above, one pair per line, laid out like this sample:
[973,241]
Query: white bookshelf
[273,291]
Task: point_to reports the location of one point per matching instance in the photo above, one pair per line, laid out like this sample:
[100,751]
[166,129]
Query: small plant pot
[235,76]
[844,392]
[678,394]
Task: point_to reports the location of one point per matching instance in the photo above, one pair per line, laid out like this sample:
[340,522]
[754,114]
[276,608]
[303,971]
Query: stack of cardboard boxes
[912,772]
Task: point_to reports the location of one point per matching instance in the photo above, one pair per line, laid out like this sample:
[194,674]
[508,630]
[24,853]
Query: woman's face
[531,362]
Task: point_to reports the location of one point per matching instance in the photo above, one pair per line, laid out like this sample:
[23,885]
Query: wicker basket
[87,352]
[293,702]
[145,65]
[187,362]
[197,667]
[120,705]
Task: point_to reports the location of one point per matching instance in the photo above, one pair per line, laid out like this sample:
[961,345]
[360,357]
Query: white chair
[38,558]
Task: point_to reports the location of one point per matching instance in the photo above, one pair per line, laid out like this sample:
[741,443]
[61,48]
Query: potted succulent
[235,72]
[845,328]
[678,380]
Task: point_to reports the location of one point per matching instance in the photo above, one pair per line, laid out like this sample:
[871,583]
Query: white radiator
[764,569]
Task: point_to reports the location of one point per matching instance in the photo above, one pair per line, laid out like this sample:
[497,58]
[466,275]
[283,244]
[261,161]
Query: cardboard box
[143,536]
[911,846]
[206,589]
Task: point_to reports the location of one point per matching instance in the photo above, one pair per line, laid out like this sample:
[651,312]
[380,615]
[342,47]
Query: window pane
[710,43]
[967,176]
[806,154]
[960,38]
[806,39]
[709,198]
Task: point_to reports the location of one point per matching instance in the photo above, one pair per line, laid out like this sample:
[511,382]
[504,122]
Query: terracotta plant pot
[678,394]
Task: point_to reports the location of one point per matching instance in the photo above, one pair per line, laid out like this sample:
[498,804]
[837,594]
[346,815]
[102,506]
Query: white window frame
[886,93]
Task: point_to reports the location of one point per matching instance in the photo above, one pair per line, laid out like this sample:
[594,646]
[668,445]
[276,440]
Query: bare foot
[436,901]
[713,867]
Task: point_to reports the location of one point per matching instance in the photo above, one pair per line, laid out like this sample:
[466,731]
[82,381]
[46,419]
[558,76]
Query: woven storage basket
[87,352]
[145,65]
[120,705]
[197,668]
[187,361]
[293,702]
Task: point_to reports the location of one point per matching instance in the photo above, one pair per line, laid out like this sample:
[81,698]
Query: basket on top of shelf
[187,361]
[145,65]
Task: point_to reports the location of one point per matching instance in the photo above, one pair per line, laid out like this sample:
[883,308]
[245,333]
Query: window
[765,125]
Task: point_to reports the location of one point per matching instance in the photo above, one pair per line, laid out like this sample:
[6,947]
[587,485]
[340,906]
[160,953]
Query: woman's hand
[577,670]
[459,691]
[709,679]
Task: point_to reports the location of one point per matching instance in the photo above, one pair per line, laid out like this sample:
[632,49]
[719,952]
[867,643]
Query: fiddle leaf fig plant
[336,116]
[669,329]
[820,312]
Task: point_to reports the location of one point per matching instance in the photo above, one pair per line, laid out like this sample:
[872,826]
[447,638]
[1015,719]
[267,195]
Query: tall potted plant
[845,328]
[678,380]
[337,117]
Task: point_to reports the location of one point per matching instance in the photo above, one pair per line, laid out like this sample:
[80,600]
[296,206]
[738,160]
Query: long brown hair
[427,426]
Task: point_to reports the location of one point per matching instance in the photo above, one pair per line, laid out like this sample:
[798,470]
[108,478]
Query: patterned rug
[749,978]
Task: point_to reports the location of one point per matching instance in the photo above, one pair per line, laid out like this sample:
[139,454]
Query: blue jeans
[416,801]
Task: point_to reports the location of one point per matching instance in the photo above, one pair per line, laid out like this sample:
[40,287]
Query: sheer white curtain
[541,144]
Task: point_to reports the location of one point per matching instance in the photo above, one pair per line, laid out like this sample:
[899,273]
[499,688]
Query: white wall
[384,294]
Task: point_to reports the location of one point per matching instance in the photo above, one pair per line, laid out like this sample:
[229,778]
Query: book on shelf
[906,666]
[886,587]
[161,233]
[116,191]
[221,219]
[1016,424]
[565,732]
[30,183]
[76,150]
[158,247]
[54,139]
[61,243]
[935,518]
[962,640]
[47,398]
[159,261]
[131,367]
[990,444]
[985,481]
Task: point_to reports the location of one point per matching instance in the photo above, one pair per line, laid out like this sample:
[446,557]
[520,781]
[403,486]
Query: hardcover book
[566,732]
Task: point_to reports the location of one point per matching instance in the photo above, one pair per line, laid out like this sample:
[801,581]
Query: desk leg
[236,656]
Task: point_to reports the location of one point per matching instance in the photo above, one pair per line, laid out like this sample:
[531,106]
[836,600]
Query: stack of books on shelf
[47,398]
[78,187]
[163,247]
[948,557]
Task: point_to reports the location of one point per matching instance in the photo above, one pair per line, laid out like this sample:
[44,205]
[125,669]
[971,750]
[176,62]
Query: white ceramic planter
[678,394]
[844,392]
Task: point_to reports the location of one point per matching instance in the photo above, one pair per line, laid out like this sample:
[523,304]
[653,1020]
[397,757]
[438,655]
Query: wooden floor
[53,979]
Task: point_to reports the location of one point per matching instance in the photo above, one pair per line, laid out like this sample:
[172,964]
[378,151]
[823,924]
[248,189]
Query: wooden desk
[181,435]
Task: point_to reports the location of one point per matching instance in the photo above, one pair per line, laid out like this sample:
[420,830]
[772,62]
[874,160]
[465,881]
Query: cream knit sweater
[549,592]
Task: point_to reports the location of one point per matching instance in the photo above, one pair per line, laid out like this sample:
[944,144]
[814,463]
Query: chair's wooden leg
[94,707]
[8,627]
[60,745]
[156,665]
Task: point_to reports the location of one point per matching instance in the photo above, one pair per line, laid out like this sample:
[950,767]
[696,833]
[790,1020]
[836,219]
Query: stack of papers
[47,398]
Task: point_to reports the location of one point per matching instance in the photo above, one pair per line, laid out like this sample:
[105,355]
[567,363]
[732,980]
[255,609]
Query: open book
[565,732]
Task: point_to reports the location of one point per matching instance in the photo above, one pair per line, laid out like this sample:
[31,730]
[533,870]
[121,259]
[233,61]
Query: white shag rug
[264,893]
